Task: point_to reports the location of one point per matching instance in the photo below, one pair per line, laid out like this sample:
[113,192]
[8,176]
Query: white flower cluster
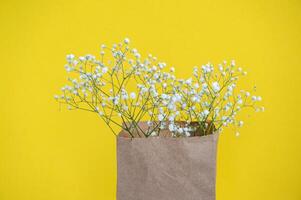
[105,86]
[210,96]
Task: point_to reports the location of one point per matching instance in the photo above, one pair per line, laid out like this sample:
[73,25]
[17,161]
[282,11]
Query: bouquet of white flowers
[144,98]
[203,103]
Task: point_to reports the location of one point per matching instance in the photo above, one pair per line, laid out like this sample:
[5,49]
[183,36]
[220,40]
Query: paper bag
[166,168]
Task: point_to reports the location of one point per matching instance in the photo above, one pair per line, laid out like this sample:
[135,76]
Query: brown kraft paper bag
[166,168]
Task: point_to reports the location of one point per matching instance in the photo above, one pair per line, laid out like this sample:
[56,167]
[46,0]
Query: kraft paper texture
[166,168]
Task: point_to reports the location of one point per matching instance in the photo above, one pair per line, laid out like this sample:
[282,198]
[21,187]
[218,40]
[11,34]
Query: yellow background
[52,154]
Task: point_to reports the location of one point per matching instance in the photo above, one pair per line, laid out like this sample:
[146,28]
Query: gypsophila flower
[215,87]
[160,117]
[133,95]
[153,134]
[126,40]
[209,97]
[171,127]
[239,101]
[70,57]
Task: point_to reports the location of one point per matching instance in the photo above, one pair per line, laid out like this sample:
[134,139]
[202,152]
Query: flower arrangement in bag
[124,89]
